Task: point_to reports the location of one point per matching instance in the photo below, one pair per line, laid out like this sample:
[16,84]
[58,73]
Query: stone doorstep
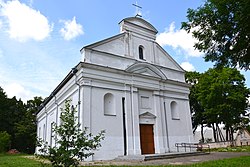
[148,157]
[173,155]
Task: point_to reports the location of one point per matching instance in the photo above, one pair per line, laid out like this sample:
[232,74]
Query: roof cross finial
[138,12]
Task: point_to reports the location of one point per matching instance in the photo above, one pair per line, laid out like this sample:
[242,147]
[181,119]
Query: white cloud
[1,24]
[71,29]
[187,66]
[24,22]
[15,89]
[180,40]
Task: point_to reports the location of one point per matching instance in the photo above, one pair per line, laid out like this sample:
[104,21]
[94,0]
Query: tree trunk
[231,134]
[220,134]
[217,134]
[214,133]
[227,133]
[202,134]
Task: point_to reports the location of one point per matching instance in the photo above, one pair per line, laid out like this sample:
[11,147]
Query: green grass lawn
[232,149]
[232,162]
[18,160]
[22,161]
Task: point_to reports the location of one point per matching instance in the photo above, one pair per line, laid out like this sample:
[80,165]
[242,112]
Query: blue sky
[40,40]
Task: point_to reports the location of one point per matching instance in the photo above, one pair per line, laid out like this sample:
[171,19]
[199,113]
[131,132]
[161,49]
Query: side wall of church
[50,114]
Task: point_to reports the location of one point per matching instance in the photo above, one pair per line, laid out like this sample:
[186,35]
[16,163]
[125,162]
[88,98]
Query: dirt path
[173,161]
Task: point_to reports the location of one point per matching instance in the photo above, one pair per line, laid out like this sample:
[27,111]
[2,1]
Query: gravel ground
[173,161]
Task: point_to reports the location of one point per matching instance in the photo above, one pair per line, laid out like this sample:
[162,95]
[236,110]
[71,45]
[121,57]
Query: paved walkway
[173,161]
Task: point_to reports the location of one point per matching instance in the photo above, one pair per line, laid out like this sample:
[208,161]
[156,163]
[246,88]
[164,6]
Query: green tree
[222,29]
[9,114]
[198,117]
[26,127]
[4,125]
[223,95]
[11,111]
[71,141]
[19,120]
[16,114]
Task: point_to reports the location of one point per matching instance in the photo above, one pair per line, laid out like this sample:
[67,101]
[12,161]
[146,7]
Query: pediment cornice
[146,69]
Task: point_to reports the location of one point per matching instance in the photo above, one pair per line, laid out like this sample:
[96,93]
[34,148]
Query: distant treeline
[18,119]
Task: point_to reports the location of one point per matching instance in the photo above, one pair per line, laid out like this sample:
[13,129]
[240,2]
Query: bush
[4,141]
[72,141]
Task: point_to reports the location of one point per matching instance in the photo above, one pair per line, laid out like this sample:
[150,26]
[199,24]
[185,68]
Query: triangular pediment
[147,115]
[146,69]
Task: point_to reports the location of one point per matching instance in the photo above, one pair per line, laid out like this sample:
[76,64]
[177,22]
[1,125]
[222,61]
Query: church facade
[129,86]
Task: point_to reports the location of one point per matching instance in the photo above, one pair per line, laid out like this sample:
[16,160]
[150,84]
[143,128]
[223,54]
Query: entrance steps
[172,155]
[148,157]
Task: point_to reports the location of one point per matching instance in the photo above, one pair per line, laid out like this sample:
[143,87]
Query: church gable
[136,43]
[113,45]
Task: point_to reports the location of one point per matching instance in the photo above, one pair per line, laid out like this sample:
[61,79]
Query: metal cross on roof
[138,12]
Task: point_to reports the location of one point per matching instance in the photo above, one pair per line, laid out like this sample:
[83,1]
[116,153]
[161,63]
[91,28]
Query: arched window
[174,110]
[141,52]
[109,104]
[44,132]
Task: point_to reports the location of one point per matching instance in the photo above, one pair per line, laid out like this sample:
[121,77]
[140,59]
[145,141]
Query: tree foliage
[19,121]
[219,97]
[26,127]
[197,110]
[222,29]
[5,140]
[71,142]
[195,106]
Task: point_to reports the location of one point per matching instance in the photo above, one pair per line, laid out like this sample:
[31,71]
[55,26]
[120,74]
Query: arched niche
[174,110]
[109,104]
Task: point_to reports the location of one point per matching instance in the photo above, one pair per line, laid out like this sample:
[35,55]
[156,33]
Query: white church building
[129,86]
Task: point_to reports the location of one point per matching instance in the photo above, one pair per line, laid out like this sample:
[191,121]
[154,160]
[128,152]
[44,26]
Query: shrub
[4,141]
[72,141]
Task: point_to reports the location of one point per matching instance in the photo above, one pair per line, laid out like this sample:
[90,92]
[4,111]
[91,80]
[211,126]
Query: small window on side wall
[109,104]
[141,52]
[174,111]
[44,132]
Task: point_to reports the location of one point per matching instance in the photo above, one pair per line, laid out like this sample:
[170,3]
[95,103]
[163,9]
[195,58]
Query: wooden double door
[147,138]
